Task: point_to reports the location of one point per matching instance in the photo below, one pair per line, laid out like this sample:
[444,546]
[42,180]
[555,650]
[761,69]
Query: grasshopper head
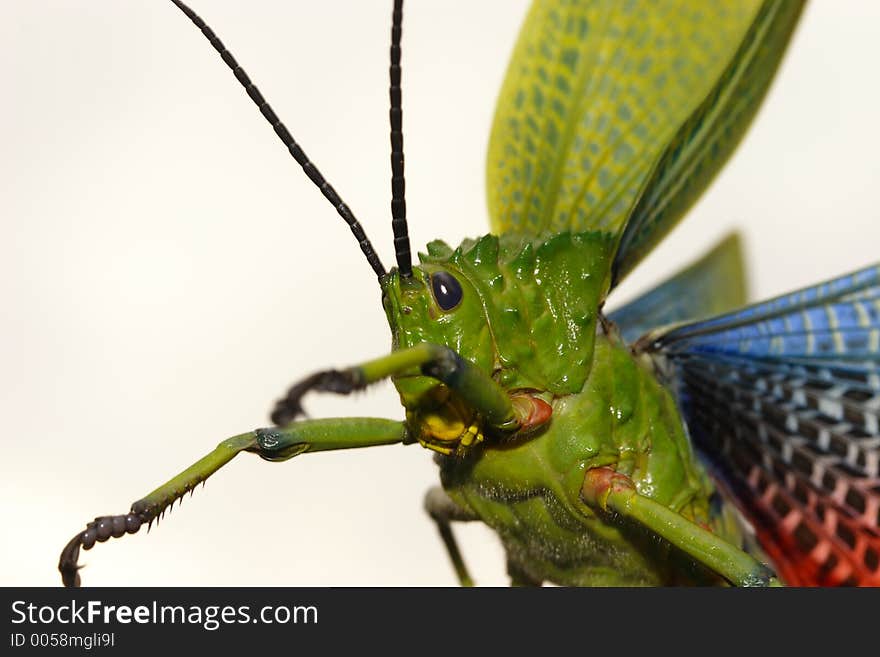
[436,304]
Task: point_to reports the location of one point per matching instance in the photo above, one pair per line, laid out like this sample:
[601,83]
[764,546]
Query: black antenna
[310,169]
[398,203]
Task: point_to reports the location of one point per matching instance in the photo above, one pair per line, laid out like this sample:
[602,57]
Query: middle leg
[443,512]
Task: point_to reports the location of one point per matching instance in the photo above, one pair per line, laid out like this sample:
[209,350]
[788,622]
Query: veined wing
[712,285]
[596,92]
[706,140]
[783,399]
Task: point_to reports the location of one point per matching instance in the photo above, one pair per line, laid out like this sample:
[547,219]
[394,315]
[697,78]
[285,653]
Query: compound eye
[447,290]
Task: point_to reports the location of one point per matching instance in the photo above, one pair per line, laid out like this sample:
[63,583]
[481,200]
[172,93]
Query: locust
[685,438]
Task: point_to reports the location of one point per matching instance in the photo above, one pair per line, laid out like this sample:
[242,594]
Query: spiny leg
[151,507]
[608,490]
[443,511]
[480,391]
[272,444]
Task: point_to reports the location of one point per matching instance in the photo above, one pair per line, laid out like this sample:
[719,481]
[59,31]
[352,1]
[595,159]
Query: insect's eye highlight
[447,290]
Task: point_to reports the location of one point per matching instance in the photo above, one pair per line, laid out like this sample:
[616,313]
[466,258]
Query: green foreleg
[272,444]
[606,489]
[282,443]
[475,387]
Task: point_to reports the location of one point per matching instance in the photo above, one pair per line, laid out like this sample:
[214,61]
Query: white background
[167,269]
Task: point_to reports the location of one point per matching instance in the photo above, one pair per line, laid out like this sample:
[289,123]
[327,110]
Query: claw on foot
[99,530]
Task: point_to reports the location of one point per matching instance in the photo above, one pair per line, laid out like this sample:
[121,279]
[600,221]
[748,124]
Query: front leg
[475,387]
[273,444]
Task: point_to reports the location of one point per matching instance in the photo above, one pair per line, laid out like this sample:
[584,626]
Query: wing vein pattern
[782,398]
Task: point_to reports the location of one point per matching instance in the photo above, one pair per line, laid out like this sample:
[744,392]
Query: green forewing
[709,136]
[595,92]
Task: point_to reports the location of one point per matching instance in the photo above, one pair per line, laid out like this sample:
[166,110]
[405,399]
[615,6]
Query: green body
[612,119]
[530,493]
[530,319]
